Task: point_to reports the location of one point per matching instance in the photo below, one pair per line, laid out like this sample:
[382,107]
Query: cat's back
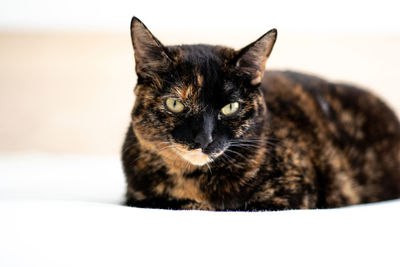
[353,136]
[357,112]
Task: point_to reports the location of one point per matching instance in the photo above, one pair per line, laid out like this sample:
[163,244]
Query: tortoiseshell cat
[210,130]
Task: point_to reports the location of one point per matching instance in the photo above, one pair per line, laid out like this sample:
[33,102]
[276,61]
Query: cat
[211,130]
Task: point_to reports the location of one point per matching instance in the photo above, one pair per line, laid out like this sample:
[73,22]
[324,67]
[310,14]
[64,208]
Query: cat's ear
[251,59]
[150,55]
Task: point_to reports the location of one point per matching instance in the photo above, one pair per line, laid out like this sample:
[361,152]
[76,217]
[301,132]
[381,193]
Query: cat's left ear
[252,58]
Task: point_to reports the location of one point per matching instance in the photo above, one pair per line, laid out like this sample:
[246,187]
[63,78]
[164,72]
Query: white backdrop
[206,15]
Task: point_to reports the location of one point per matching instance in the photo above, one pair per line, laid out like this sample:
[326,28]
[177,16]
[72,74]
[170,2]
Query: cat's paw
[196,206]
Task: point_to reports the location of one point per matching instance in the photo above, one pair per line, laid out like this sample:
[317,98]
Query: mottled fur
[298,142]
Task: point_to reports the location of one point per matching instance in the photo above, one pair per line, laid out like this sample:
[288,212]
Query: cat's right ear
[150,55]
[251,59]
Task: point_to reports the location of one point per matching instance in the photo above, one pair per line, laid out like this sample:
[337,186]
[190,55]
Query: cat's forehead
[200,71]
[199,53]
[207,60]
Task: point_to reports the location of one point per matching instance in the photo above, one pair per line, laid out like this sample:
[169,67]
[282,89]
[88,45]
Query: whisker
[262,141]
[245,146]
[250,140]
[229,159]
[167,147]
[209,168]
[222,158]
[187,165]
[237,153]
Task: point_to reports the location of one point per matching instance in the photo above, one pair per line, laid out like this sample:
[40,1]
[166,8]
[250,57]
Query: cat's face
[196,101]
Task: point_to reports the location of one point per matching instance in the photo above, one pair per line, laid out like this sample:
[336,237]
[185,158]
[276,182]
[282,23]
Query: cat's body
[293,140]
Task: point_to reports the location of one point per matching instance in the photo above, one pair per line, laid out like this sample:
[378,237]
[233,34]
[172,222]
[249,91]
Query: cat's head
[197,100]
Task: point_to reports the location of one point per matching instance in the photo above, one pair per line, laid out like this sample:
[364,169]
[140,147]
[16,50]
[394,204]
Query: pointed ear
[150,54]
[251,59]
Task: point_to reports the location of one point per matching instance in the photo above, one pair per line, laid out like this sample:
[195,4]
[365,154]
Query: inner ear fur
[150,55]
[252,58]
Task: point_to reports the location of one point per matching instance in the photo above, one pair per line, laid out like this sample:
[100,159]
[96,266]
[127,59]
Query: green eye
[230,109]
[174,105]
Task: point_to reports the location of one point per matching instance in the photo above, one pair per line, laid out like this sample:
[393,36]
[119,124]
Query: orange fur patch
[195,157]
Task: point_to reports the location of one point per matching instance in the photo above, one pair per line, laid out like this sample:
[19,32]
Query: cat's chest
[182,188]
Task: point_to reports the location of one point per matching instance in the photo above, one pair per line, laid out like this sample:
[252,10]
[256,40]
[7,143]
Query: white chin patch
[196,157]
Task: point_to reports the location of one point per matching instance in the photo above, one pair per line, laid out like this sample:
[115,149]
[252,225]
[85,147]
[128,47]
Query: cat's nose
[204,137]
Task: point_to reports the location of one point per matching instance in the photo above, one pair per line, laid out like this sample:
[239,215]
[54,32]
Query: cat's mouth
[195,156]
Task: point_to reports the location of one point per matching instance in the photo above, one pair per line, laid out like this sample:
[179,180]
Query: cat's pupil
[174,103]
[230,106]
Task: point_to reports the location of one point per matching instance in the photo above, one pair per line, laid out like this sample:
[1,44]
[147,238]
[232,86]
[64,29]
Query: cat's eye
[230,109]
[174,105]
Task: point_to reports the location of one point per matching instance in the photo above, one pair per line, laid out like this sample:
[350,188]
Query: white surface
[61,211]
[46,177]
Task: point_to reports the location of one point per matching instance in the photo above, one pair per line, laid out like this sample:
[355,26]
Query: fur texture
[295,141]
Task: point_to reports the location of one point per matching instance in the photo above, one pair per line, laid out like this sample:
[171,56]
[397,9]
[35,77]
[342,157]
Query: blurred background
[67,67]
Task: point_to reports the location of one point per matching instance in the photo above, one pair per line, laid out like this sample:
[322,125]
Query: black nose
[204,137]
